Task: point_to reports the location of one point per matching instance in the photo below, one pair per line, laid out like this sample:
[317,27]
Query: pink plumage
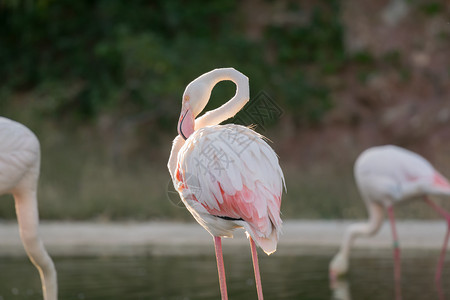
[230,177]
[440,181]
[227,175]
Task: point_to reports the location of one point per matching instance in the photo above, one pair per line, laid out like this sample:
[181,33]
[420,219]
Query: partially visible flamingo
[19,174]
[227,175]
[386,175]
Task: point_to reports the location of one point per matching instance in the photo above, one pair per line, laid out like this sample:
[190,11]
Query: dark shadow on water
[373,278]
[195,277]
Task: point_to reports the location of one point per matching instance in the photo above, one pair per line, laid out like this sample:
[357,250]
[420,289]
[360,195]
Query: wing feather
[19,152]
[237,175]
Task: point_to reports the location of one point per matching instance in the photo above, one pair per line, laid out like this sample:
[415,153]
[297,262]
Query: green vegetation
[432,8]
[100,83]
[83,58]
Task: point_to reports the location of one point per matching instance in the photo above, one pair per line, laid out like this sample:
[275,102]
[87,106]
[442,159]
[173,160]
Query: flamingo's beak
[186,123]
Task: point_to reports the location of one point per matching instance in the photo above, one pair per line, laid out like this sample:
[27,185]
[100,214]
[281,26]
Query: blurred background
[100,83]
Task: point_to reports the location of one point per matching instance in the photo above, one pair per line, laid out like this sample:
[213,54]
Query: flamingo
[227,176]
[19,173]
[385,176]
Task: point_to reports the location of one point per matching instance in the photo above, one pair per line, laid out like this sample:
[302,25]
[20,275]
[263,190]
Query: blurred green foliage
[432,8]
[115,71]
[85,57]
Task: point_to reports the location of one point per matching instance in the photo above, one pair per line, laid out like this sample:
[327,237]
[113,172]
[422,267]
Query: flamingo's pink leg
[446,215]
[220,267]
[256,269]
[397,266]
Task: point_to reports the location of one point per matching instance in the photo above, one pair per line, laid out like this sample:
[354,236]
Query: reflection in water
[398,288]
[417,282]
[439,289]
[341,289]
[195,277]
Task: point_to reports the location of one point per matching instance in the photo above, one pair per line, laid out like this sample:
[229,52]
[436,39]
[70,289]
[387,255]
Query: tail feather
[441,184]
[267,243]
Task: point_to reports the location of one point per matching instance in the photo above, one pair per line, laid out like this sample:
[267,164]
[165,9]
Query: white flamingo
[19,173]
[227,175]
[386,175]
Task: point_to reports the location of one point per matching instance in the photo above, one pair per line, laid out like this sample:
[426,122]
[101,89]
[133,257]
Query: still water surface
[195,277]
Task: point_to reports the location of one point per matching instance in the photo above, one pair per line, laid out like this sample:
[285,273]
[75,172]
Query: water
[195,277]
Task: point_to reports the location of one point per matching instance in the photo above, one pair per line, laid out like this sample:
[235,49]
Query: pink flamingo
[227,176]
[19,173]
[387,175]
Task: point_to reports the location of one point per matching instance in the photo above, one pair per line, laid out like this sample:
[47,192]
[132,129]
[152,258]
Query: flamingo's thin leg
[256,269]
[220,267]
[446,215]
[397,266]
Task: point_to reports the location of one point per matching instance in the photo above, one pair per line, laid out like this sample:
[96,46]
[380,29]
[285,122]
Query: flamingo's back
[388,171]
[19,156]
[393,161]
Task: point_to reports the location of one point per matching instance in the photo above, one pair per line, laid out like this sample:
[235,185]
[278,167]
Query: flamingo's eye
[186,98]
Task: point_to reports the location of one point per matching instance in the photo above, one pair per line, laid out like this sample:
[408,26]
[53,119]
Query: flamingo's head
[195,98]
[186,123]
[338,266]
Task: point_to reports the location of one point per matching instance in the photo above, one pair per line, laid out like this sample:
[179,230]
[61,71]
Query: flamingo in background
[227,175]
[386,175]
[19,174]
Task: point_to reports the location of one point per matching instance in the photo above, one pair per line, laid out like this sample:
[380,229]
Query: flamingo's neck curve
[230,108]
[340,261]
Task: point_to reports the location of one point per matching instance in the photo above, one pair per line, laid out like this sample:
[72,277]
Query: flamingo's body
[19,173]
[386,175]
[227,175]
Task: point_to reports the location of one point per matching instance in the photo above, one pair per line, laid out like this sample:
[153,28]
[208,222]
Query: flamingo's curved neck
[234,105]
[362,229]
